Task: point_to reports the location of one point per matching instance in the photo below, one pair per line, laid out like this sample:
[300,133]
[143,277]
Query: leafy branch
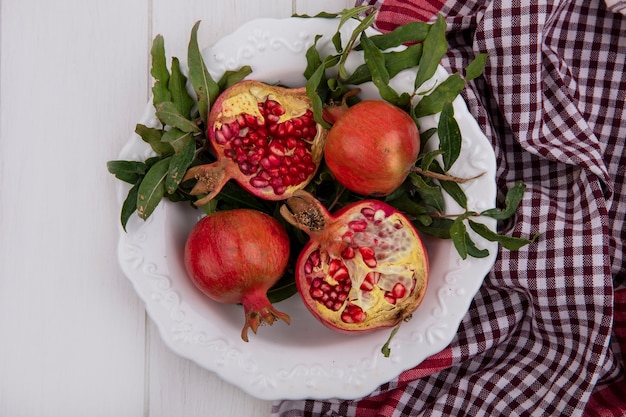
[180,140]
[422,195]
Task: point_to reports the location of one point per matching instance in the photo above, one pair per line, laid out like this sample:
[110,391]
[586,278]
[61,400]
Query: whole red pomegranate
[364,267]
[264,137]
[235,256]
[371,146]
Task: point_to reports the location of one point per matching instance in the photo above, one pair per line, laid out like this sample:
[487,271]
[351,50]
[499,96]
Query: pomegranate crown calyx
[304,212]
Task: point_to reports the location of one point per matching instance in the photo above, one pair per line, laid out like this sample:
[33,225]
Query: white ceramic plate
[304,359]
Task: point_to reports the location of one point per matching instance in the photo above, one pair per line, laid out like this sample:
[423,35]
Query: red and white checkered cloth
[546,334]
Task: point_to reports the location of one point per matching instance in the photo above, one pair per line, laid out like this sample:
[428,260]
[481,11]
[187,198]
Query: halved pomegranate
[364,268]
[265,138]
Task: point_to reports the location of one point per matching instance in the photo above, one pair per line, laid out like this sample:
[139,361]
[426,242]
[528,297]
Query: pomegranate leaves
[178,135]
[449,136]
[205,87]
[435,47]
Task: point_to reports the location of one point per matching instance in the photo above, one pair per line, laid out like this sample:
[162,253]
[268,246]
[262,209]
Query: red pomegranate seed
[348,253]
[280,190]
[277,148]
[368,213]
[259,182]
[219,137]
[341,273]
[366,285]
[369,256]
[278,110]
[316,293]
[271,118]
[353,314]
[358,225]
[291,142]
[333,266]
[369,281]
[390,298]
[308,266]
[398,290]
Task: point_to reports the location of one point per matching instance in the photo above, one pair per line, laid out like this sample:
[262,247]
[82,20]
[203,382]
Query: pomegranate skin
[235,256]
[371,147]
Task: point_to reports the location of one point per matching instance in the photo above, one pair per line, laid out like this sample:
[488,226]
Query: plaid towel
[546,334]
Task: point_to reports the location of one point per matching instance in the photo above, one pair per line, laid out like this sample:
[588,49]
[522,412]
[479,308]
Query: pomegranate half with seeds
[364,268]
[265,138]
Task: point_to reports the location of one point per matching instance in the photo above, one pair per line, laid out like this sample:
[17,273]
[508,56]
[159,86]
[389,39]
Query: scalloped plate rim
[252,367]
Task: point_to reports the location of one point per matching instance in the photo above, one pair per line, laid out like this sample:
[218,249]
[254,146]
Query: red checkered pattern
[546,334]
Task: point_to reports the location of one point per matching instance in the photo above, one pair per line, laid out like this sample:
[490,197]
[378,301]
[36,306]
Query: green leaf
[435,47]
[152,137]
[426,135]
[127,171]
[453,189]
[348,13]
[380,77]
[430,194]
[317,90]
[203,84]
[234,196]
[508,242]
[395,62]
[230,78]
[336,41]
[211,206]
[313,60]
[129,206]
[324,15]
[169,115]
[449,136]
[458,234]
[354,13]
[152,188]
[179,164]
[385,350]
[446,91]
[511,201]
[178,88]
[178,139]
[405,204]
[407,33]
[360,75]
[439,227]
[283,289]
[472,249]
[428,158]
[337,90]
[159,71]
[476,67]
[359,31]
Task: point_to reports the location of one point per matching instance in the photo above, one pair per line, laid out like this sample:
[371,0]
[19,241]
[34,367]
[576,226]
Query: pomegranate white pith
[364,268]
[265,138]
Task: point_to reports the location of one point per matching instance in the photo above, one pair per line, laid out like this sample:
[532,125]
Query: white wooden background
[74,78]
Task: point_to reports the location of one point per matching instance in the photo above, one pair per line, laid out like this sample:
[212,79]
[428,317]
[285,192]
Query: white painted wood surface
[74,78]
